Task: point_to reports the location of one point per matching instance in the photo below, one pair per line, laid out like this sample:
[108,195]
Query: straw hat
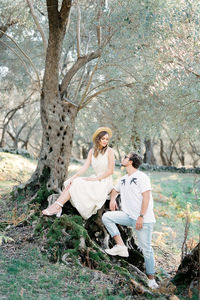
[100,129]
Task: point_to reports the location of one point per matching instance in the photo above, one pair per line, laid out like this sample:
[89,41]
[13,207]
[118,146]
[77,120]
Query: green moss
[45,176]
[34,218]
[42,225]
[105,267]
[95,256]
[63,235]
[71,252]
[122,271]
[42,195]
[77,219]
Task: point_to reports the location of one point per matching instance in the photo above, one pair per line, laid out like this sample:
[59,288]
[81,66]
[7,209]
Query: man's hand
[139,223]
[113,205]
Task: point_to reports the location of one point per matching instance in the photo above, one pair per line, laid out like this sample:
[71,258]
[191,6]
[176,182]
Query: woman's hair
[136,159]
[97,150]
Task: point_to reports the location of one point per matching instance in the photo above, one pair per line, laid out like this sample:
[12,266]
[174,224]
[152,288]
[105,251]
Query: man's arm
[144,206]
[113,203]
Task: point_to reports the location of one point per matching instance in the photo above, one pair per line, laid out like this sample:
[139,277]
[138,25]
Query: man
[137,211]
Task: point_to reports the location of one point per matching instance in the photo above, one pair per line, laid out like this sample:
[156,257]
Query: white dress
[89,196]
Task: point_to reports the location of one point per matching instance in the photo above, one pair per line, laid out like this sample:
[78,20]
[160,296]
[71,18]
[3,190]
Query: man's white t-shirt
[131,189]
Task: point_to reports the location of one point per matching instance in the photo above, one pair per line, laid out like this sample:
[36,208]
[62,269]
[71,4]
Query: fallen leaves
[173,297]
[137,287]
[15,219]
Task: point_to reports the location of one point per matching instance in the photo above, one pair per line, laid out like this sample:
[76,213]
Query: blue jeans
[144,235]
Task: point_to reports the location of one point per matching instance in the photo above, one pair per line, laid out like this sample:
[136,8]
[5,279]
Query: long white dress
[89,196]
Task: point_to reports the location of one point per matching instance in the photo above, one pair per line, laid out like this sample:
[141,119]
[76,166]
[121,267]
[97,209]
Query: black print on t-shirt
[133,180]
[123,181]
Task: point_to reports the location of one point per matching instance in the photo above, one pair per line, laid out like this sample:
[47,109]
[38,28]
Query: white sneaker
[118,250]
[152,284]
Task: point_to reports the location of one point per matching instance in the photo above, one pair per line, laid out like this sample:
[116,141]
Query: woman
[88,194]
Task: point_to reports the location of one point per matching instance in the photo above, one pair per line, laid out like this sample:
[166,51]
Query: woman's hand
[71,180]
[68,182]
[91,178]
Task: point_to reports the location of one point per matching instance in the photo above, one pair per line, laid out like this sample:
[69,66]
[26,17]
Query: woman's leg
[63,198]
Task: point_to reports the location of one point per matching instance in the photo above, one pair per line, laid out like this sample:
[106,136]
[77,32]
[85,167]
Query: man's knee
[106,216]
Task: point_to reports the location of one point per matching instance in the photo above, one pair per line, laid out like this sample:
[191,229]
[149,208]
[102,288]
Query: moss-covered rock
[67,235]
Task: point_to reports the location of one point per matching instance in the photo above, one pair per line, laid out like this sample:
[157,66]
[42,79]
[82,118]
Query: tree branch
[98,28]
[193,101]
[9,117]
[37,75]
[104,83]
[78,29]
[21,128]
[53,14]
[194,149]
[39,27]
[21,105]
[29,133]
[89,83]
[106,5]
[25,66]
[89,99]
[82,77]
[5,27]
[65,11]
[186,68]
[81,61]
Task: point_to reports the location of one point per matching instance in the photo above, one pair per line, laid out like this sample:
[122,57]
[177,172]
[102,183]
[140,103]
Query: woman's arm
[85,166]
[110,170]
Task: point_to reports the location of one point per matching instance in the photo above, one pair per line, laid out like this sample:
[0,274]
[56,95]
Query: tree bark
[135,138]
[162,154]
[149,157]
[58,113]
[57,116]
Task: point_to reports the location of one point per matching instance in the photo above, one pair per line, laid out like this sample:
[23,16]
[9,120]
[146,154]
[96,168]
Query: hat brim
[100,129]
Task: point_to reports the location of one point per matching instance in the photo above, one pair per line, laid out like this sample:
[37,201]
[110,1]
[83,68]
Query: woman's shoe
[58,214]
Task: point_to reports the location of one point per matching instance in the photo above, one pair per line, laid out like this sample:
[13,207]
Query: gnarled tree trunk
[189,268]
[57,116]
[58,113]
[149,157]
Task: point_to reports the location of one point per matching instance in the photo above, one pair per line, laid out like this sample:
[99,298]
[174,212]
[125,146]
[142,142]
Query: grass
[181,196]
[32,276]
[26,273]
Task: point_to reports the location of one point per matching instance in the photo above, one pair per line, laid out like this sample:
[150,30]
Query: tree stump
[189,268]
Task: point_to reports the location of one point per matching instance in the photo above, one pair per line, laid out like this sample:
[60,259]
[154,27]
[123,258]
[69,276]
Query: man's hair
[136,159]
